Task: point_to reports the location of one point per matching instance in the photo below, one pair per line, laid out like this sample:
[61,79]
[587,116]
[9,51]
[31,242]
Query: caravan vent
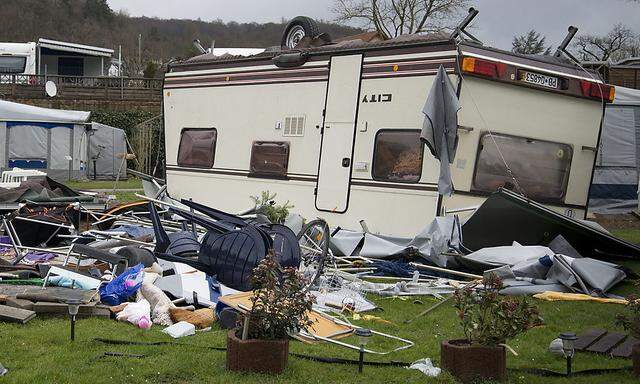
[294,126]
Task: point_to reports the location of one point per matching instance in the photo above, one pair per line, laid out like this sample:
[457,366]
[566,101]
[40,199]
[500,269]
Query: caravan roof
[75,48]
[404,42]
[21,112]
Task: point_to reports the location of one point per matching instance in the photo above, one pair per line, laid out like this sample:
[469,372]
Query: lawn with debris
[41,352]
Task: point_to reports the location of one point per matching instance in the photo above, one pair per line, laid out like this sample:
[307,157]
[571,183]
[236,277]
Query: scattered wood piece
[624,349]
[588,338]
[15,315]
[606,342]
[62,309]
[19,303]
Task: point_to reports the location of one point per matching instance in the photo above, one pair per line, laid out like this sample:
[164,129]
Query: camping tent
[615,179]
[61,143]
[50,140]
[107,147]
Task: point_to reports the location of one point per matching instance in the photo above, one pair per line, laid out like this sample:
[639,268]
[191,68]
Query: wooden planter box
[469,362]
[261,356]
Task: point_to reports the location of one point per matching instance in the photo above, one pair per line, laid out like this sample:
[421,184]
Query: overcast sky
[497,23]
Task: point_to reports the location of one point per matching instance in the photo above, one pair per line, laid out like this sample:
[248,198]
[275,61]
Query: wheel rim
[294,36]
[313,245]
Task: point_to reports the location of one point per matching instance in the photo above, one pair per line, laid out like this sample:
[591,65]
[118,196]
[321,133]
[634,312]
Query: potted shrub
[488,320]
[630,320]
[279,308]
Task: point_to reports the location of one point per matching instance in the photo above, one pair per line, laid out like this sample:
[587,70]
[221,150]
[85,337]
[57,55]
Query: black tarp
[506,217]
[38,189]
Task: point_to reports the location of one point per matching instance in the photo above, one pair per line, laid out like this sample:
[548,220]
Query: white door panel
[339,129]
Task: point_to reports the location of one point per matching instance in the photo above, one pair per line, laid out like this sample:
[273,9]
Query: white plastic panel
[339,129]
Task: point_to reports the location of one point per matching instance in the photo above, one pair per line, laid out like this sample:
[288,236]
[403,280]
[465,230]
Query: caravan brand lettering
[380,98]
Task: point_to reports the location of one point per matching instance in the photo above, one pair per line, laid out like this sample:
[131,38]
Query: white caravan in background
[18,59]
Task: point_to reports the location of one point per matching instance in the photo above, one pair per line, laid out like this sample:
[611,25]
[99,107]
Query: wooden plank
[15,315]
[588,338]
[624,349]
[607,342]
[86,310]
[320,324]
[19,303]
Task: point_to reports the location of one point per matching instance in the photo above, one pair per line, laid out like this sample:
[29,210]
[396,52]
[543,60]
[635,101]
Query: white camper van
[17,58]
[335,130]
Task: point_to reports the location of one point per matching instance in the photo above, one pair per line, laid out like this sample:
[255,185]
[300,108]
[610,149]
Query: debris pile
[183,266]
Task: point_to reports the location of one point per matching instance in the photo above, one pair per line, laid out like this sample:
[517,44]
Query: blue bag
[122,287]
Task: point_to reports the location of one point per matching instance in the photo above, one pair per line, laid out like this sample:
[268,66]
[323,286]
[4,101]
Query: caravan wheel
[297,29]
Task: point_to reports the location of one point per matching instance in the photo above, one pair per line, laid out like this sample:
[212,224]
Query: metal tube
[361,361]
[444,270]
[13,242]
[45,222]
[73,327]
[565,43]
[35,249]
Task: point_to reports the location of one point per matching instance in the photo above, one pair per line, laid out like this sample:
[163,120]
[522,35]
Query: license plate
[538,79]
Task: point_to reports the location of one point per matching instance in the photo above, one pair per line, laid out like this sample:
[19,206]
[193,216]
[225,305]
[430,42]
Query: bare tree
[615,45]
[531,43]
[391,18]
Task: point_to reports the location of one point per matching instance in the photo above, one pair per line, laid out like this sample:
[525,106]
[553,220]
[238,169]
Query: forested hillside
[93,22]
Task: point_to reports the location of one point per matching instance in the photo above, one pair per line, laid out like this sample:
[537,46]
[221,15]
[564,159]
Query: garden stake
[433,307]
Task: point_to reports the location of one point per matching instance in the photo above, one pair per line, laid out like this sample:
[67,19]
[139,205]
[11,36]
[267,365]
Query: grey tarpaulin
[21,112]
[615,180]
[107,145]
[533,269]
[440,127]
[441,235]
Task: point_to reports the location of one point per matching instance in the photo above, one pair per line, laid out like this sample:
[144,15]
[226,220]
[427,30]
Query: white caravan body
[18,59]
[337,133]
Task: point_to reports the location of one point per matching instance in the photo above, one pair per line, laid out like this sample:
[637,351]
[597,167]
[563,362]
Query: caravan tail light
[598,91]
[483,67]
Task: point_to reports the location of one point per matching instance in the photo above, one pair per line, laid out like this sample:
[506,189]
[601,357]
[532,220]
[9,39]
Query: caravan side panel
[256,103]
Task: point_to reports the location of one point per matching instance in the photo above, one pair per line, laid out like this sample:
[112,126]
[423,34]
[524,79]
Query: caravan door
[338,133]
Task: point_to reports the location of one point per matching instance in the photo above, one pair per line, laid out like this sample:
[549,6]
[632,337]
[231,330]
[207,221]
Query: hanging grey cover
[107,144]
[440,127]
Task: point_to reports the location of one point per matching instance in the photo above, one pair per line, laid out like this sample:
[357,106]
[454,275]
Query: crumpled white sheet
[426,366]
[138,313]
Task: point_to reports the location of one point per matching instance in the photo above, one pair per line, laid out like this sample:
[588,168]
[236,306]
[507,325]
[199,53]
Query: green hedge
[126,120]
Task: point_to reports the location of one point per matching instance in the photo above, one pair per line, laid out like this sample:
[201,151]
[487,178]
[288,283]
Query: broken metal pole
[444,270]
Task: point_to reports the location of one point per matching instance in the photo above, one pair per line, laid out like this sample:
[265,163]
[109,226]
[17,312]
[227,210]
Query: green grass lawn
[40,351]
[130,183]
[122,196]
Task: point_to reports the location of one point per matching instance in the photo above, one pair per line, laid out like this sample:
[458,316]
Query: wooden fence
[81,87]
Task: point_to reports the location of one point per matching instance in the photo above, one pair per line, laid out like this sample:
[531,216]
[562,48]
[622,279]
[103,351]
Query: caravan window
[12,64]
[397,156]
[541,168]
[197,147]
[269,159]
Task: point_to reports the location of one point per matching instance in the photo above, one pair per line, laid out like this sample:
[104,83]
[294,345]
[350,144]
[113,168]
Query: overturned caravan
[335,130]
